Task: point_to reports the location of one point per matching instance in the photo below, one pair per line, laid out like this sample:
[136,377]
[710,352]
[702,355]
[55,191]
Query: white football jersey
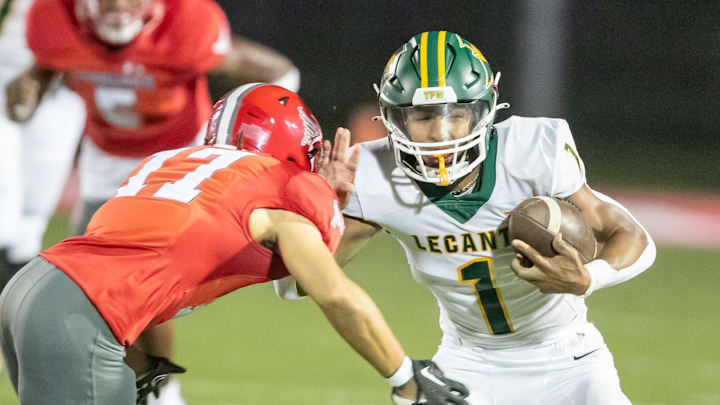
[13,47]
[453,244]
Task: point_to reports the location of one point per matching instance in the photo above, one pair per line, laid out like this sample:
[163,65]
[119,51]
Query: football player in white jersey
[442,185]
[36,154]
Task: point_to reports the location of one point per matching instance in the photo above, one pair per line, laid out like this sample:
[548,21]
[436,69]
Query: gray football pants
[57,348]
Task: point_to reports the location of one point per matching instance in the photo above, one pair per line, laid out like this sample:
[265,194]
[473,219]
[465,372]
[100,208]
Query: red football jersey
[148,96]
[176,237]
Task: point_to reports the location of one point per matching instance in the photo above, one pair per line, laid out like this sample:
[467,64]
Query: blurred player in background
[443,183]
[188,226]
[140,66]
[37,154]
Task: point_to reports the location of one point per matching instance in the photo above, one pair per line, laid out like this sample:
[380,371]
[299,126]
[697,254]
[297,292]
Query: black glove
[152,380]
[433,388]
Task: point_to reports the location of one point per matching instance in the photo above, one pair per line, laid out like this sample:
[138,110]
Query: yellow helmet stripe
[441,58]
[423,59]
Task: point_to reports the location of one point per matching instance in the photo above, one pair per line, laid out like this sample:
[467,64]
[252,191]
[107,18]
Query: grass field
[252,348]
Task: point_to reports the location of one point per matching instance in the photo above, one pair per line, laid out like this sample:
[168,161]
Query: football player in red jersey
[140,66]
[151,254]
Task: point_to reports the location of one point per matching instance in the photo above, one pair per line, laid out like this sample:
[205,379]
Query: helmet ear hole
[475,79]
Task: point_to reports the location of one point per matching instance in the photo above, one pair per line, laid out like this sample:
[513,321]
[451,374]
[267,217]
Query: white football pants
[36,159]
[575,368]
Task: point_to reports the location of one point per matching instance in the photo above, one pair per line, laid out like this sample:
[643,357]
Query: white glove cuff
[403,374]
[600,273]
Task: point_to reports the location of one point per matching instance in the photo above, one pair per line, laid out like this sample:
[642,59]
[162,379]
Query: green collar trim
[464,207]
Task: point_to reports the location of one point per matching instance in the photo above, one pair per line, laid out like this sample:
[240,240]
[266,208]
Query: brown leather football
[537,220]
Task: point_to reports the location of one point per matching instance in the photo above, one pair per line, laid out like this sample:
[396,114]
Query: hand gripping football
[537,220]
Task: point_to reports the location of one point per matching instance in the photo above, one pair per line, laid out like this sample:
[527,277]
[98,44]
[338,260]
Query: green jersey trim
[5,8]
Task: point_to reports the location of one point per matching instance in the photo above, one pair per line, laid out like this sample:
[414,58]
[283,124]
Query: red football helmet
[260,117]
[118,22]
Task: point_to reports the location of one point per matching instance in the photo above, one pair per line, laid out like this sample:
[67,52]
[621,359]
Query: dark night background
[638,81]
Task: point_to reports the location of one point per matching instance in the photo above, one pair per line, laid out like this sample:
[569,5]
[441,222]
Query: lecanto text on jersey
[463,243]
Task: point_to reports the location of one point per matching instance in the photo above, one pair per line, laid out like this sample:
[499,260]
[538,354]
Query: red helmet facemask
[270,119]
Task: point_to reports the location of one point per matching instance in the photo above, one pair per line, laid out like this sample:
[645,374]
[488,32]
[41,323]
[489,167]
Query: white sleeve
[569,170]
[602,275]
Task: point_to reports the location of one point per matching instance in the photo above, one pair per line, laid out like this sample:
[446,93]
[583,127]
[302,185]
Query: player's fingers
[562,247]
[528,251]
[352,163]
[21,112]
[526,273]
[327,151]
[327,148]
[323,159]
[346,187]
[342,144]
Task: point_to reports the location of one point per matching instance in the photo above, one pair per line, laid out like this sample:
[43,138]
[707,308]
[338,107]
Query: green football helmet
[438,98]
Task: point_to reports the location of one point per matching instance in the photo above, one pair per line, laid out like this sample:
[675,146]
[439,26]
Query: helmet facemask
[115,26]
[439,143]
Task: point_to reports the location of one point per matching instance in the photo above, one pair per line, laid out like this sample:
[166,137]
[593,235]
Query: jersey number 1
[479,273]
[185,189]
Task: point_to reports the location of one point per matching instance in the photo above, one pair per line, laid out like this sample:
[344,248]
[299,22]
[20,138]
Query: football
[537,220]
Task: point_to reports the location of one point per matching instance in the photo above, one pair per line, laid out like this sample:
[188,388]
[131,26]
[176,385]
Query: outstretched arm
[249,61]
[25,91]
[348,308]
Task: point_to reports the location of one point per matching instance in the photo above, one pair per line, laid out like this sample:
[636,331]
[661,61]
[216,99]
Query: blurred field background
[638,83]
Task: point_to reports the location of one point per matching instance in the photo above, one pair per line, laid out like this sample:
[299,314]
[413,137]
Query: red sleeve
[49,32]
[203,33]
[312,197]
